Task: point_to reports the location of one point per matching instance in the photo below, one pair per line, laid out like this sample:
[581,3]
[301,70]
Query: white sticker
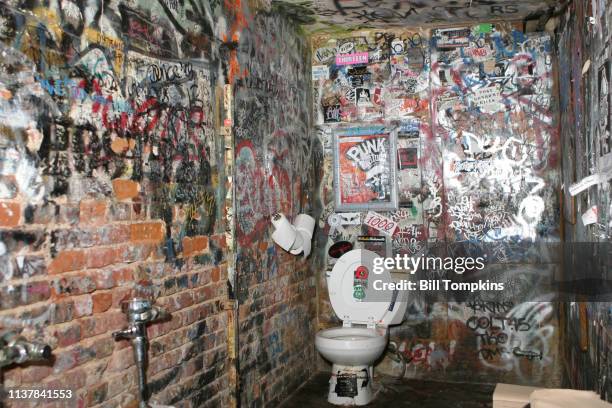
[320,72]
[353,218]
[488,99]
[480,54]
[584,184]
[339,219]
[346,48]
[605,166]
[590,216]
[381,223]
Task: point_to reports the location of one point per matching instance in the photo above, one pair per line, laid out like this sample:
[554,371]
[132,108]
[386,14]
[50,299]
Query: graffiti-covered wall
[334,15]
[275,161]
[477,165]
[112,185]
[584,42]
[115,181]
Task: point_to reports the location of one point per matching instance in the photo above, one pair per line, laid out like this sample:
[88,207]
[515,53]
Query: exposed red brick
[134,253]
[121,294]
[104,346]
[97,394]
[102,323]
[120,360]
[67,261]
[119,383]
[67,334]
[125,189]
[121,145]
[102,302]
[35,374]
[122,276]
[71,285]
[10,214]
[183,300]
[82,305]
[215,274]
[194,245]
[220,240]
[100,257]
[116,234]
[92,211]
[71,380]
[147,232]
[12,378]
[103,279]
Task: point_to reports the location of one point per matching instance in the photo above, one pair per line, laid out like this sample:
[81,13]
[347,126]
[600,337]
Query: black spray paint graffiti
[506,333]
[364,12]
[95,110]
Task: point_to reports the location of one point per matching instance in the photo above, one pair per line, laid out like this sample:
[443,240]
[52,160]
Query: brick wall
[275,172]
[112,187]
[113,182]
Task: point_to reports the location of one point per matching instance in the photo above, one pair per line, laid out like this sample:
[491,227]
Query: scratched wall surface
[116,123]
[276,162]
[476,103]
[585,43]
[339,15]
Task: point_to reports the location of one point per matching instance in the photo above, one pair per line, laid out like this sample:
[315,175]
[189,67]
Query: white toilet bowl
[351,345]
[366,314]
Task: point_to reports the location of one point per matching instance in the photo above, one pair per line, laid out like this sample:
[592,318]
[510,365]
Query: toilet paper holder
[294,238]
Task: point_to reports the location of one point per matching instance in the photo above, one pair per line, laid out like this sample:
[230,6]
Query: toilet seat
[354,305]
[352,350]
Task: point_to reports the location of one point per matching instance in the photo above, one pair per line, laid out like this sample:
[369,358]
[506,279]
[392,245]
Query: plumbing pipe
[140,312]
[14,349]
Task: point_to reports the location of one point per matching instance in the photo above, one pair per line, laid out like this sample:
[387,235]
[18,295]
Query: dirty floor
[408,393]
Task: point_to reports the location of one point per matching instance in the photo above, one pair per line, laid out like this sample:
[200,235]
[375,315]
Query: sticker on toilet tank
[360,283]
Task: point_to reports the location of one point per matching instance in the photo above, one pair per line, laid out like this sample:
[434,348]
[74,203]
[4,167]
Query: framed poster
[365,169]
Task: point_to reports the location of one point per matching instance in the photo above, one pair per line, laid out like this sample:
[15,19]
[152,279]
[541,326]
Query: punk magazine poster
[365,169]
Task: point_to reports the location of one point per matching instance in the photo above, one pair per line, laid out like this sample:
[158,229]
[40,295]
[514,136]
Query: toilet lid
[351,290]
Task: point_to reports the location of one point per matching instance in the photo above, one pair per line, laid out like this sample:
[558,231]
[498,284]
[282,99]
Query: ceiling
[328,15]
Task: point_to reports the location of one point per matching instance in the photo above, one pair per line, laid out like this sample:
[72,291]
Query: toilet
[366,314]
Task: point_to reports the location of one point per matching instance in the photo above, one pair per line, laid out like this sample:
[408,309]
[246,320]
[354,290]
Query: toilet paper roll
[305,223]
[302,244]
[285,234]
[307,247]
[296,247]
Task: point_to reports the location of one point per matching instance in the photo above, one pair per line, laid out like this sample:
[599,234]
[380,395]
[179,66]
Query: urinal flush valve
[140,312]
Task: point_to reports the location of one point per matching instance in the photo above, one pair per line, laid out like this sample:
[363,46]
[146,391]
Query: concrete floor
[408,393]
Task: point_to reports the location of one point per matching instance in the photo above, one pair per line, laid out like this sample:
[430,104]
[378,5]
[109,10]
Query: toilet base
[350,385]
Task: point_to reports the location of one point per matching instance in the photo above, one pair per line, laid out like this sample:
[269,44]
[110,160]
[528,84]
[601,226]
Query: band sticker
[352,59]
[320,72]
[360,283]
[381,223]
[339,248]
